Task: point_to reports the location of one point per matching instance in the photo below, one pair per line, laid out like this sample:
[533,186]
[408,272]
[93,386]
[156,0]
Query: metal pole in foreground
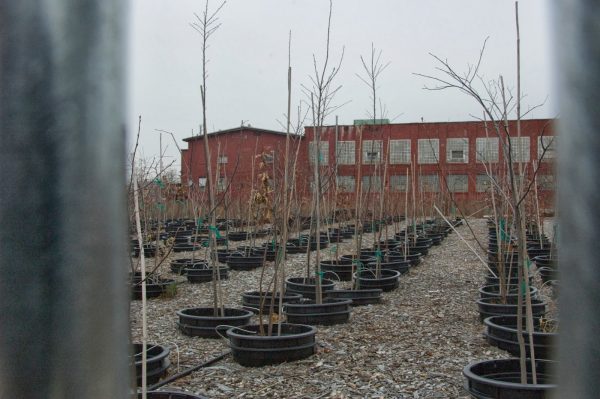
[578,53]
[63,292]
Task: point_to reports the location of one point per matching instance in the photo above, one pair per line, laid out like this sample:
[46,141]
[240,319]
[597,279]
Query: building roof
[240,129]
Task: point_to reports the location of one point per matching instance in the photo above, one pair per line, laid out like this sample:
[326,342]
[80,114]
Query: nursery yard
[414,344]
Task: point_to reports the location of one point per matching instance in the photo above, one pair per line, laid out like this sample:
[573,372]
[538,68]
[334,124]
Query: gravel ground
[413,345]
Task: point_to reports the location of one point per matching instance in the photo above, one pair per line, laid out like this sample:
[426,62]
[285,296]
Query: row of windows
[429,183]
[457,150]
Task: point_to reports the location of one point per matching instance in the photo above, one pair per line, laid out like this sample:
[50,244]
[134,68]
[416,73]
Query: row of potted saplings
[498,307]
[372,271]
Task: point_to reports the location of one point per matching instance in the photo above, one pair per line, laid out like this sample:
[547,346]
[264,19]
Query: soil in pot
[201,322]
[501,379]
[501,331]
[493,291]
[307,286]
[331,311]
[250,349]
[255,300]
[157,362]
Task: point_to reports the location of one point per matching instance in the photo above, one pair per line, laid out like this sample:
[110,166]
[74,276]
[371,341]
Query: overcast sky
[248,59]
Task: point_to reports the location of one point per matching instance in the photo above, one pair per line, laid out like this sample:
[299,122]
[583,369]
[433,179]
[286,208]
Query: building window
[487,149]
[483,183]
[346,153]
[458,183]
[346,184]
[429,183]
[457,150]
[399,183]
[323,153]
[371,150]
[221,184]
[399,151]
[371,184]
[519,149]
[268,157]
[546,182]
[222,159]
[547,144]
[202,182]
[429,150]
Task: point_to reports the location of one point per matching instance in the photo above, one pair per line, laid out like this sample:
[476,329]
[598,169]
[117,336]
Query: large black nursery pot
[401,266]
[256,301]
[240,261]
[157,362]
[149,251]
[201,322]
[178,266]
[494,307]
[500,379]
[250,349]
[201,273]
[493,291]
[341,269]
[331,311]
[358,297]
[296,246]
[155,285]
[501,331]
[398,254]
[238,235]
[307,286]
[367,279]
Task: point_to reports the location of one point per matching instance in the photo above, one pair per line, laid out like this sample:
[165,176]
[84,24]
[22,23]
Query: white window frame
[345,152]
[372,151]
[455,145]
[548,142]
[432,187]
[374,182]
[487,149]
[456,186]
[324,150]
[520,149]
[400,151]
[346,184]
[425,153]
[399,183]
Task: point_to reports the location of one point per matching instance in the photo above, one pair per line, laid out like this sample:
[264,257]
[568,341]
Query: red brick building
[442,156]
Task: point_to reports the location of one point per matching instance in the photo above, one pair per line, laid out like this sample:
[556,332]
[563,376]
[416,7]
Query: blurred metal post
[63,294]
[578,55]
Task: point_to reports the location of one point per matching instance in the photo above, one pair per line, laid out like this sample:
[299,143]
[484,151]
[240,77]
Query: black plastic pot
[337,269]
[238,235]
[149,251]
[388,281]
[178,266]
[307,286]
[266,253]
[253,350]
[157,362]
[296,246]
[398,254]
[358,297]
[155,286]
[331,311]
[201,322]
[255,300]
[223,254]
[512,280]
[237,261]
[493,307]
[500,379]
[201,273]
[493,291]
[501,331]
[401,266]
[361,260]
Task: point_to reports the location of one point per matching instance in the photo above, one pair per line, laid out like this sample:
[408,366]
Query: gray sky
[248,59]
